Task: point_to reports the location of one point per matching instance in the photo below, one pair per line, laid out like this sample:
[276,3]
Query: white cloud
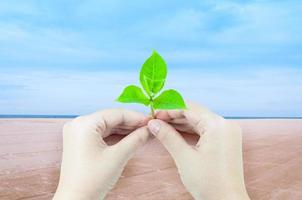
[229,22]
[271,92]
[250,92]
[215,30]
[262,23]
[251,51]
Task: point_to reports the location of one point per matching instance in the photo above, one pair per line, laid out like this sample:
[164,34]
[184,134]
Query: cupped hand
[90,168]
[213,168]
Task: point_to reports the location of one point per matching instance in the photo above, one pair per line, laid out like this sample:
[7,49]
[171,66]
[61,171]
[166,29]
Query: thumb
[129,144]
[170,138]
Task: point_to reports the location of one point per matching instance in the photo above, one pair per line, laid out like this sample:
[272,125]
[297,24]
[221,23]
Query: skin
[90,168]
[210,170]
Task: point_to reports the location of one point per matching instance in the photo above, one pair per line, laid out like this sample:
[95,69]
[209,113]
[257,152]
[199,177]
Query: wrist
[64,193]
[228,194]
[237,196]
[236,192]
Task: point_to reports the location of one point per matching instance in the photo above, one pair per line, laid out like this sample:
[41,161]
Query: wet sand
[30,155]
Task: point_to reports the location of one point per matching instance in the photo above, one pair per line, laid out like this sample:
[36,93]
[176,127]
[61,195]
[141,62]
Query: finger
[167,115]
[114,117]
[202,122]
[120,131]
[80,140]
[199,117]
[179,121]
[196,116]
[196,120]
[183,128]
[198,108]
[110,118]
[170,138]
[128,145]
[126,127]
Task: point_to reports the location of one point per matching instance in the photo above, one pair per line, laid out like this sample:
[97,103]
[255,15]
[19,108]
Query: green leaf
[153,74]
[169,99]
[133,94]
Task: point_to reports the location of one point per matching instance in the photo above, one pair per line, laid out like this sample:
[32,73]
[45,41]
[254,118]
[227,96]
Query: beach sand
[30,156]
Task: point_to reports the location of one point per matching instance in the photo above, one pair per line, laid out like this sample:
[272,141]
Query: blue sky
[240,58]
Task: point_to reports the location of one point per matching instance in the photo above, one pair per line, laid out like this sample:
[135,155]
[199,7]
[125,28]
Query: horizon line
[47,116]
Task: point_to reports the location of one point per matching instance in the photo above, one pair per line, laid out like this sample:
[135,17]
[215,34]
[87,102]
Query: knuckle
[140,139]
[121,111]
[114,110]
[101,126]
[200,126]
[80,120]
[142,136]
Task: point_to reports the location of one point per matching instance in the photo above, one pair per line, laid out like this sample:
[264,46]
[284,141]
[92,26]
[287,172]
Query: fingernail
[154,126]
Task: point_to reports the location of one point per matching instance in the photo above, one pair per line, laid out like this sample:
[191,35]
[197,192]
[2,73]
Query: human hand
[90,168]
[213,169]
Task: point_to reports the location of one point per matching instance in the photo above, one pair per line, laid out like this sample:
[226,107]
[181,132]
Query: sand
[30,155]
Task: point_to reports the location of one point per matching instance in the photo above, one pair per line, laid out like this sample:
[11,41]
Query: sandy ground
[30,155]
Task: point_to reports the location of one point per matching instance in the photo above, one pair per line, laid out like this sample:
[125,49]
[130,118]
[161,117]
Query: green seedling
[152,77]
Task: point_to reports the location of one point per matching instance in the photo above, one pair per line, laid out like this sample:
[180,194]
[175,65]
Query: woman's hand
[90,168]
[213,169]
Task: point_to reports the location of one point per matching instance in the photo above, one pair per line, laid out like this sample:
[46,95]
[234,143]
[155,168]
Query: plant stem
[151,107]
[152,111]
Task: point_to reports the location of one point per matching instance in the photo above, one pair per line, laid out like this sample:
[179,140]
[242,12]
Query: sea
[73,116]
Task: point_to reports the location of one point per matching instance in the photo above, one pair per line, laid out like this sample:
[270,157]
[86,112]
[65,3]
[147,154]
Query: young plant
[152,77]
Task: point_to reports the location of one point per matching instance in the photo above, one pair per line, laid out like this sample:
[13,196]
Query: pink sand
[30,155]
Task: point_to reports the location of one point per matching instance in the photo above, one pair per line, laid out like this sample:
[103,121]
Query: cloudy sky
[240,58]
